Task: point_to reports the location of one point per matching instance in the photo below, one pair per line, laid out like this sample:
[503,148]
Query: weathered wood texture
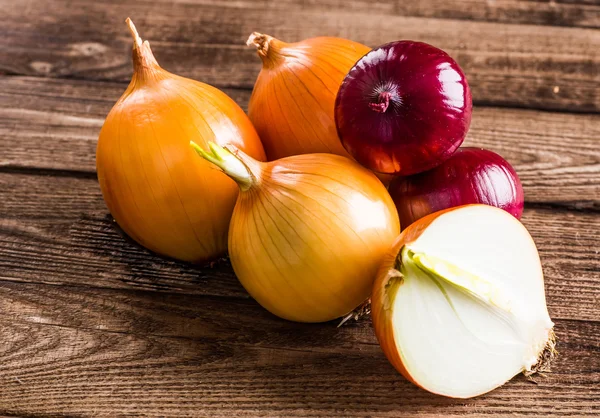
[549,67]
[94,352]
[54,124]
[56,230]
[93,325]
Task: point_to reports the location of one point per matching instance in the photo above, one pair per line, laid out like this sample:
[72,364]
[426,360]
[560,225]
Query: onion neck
[382,102]
[232,162]
[267,48]
[145,66]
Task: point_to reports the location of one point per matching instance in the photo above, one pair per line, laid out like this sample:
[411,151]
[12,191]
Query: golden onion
[292,104]
[159,193]
[308,232]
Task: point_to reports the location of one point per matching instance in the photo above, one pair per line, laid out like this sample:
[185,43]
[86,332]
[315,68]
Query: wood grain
[93,325]
[98,352]
[545,67]
[67,237]
[54,124]
[56,230]
[571,13]
[550,13]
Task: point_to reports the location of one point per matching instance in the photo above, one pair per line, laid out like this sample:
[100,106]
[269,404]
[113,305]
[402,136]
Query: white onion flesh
[470,312]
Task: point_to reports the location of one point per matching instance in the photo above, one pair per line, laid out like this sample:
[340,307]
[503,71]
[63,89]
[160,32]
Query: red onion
[403,108]
[471,175]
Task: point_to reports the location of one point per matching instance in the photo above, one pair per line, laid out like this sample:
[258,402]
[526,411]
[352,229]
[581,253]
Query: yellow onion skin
[292,104]
[307,237]
[155,187]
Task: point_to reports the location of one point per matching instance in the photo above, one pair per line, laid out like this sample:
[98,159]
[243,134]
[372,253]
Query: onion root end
[359,312]
[545,358]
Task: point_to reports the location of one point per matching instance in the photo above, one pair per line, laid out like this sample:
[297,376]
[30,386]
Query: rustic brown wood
[551,13]
[67,236]
[57,230]
[556,155]
[104,352]
[525,65]
[92,325]
[572,13]
[42,118]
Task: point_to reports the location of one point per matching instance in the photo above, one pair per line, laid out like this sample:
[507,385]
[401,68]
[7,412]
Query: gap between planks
[247,90]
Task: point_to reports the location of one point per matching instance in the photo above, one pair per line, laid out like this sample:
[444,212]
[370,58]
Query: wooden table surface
[93,325]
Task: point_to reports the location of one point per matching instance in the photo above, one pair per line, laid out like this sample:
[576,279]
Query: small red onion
[403,108]
[471,175]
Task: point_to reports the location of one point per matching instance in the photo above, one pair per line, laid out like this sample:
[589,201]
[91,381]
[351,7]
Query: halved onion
[459,306]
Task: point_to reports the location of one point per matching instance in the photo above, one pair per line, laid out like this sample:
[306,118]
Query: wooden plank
[556,155]
[525,65]
[549,13]
[93,325]
[57,230]
[571,13]
[67,236]
[73,351]
[227,321]
[41,119]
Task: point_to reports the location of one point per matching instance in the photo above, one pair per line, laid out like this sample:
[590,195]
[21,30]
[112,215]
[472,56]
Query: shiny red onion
[471,175]
[403,108]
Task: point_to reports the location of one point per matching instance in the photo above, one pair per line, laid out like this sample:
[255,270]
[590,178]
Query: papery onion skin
[155,187]
[471,175]
[308,233]
[403,108]
[292,103]
[334,250]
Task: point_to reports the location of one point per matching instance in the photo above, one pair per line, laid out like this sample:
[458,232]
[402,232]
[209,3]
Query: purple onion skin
[403,108]
[471,175]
